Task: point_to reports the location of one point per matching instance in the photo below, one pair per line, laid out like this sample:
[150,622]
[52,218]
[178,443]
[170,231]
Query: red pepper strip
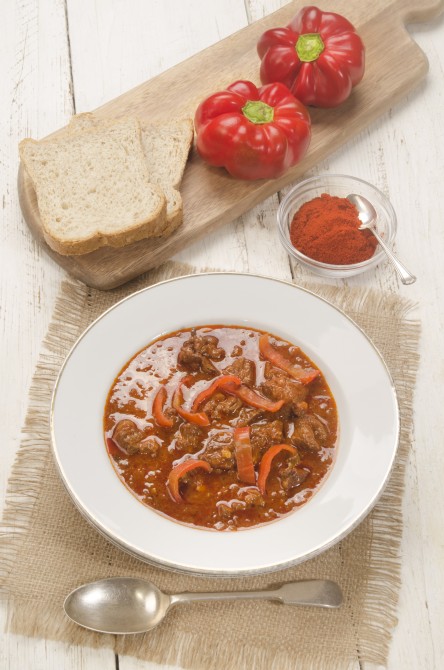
[218,383]
[181,469]
[265,465]
[159,402]
[200,418]
[302,375]
[254,399]
[244,455]
[113,448]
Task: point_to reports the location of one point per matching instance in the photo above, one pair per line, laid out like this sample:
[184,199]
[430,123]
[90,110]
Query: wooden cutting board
[394,65]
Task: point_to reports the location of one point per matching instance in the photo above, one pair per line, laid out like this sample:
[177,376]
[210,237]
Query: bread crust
[150,225]
[117,240]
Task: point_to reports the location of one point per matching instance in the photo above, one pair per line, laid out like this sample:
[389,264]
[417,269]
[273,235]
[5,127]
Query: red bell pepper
[178,472]
[219,383]
[302,375]
[159,402]
[113,448]
[253,133]
[199,418]
[253,399]
[265,464]
[319,56]
[244,455]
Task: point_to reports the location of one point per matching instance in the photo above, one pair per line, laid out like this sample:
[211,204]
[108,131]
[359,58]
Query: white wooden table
[58,57]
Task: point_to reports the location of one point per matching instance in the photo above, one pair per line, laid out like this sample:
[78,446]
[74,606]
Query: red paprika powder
[326,229]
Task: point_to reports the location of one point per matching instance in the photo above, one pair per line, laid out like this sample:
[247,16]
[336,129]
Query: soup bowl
[354,371]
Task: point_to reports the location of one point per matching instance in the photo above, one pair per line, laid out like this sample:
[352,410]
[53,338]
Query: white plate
[355,371]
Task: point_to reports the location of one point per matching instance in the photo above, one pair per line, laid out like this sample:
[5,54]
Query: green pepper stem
[309,47]
[258,111]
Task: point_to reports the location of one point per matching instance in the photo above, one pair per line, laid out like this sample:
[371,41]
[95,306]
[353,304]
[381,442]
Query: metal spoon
[368,216]
[123,605]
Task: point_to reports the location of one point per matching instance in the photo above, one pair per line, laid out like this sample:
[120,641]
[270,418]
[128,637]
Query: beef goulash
[221,427]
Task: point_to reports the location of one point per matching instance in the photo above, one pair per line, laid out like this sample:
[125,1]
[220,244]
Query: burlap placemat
[47,548]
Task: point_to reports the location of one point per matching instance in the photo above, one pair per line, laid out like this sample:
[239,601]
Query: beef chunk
[263,436]
[190,438]
[309,432]
[208,346]
[171,414]
[132,440]
[300,408]
[243,368]
[219,451]
[227,510]
[293,478]
[292,475]
[150,445]
[247,499]
[278,386]
[267,434]
[249,415]
[220,406]
[197,353]
[252,498]
[128,436]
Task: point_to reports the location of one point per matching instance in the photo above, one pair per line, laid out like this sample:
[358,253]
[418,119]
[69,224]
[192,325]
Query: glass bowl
[338,185]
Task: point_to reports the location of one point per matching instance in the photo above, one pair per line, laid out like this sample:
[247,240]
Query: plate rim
[243,572]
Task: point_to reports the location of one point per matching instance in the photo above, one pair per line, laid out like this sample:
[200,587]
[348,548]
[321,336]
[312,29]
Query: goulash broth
[243,431]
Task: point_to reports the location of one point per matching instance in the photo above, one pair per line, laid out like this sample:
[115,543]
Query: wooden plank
[36,99]
[116,45]
[34,71]
[224,198]
[400,153]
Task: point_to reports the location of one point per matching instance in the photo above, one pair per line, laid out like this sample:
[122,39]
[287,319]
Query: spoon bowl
[368,217]
[366,212]
[117,605]
[127,605]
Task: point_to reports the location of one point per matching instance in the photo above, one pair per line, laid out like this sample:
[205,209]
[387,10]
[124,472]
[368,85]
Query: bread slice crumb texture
[166,148]
[94,189]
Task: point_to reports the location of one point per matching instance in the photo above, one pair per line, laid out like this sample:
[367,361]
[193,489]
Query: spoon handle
[405,276]
[315,592]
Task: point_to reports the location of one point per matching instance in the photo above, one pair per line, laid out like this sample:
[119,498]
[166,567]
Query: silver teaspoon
[122,605]
[367,216]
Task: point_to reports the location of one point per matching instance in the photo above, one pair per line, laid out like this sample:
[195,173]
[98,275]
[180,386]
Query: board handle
[419,11]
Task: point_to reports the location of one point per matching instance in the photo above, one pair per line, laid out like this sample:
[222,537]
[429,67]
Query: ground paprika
[326,229]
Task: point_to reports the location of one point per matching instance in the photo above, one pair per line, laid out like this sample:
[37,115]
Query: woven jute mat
[47,548]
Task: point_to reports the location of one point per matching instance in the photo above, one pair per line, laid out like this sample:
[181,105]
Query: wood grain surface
[211,197]
[59,57]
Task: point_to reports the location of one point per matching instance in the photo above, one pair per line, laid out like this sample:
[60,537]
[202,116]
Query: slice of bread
[166,149]
[94,189]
